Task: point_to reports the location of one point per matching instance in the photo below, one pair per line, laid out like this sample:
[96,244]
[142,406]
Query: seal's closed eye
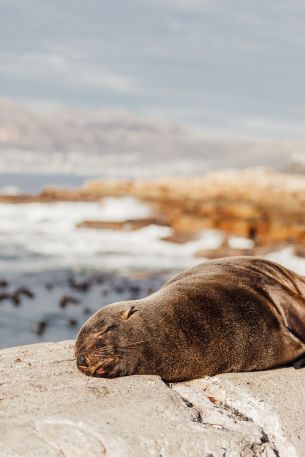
[81,361]
[111,327]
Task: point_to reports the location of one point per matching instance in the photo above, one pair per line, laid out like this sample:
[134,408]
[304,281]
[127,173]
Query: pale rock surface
[49,409]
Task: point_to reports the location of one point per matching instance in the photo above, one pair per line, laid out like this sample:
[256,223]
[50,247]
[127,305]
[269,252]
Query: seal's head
[107,344]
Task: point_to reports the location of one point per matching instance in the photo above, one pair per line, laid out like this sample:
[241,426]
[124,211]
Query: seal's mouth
[105,368]
[104,372]
[100,372]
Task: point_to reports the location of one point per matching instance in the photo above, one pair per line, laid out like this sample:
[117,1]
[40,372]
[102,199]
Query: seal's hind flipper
[299,363]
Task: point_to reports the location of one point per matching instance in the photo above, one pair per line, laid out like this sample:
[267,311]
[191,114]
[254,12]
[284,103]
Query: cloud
[64,70]
[269,127]
[190,4]
[208,63]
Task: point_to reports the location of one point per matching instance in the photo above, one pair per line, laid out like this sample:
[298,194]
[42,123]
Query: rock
[299,250]
[15,298]
[180,237]
[21,291]
[222,252]
[128,225]
[24,291]
[119,289]
[226,251]
[87,310]
[82,286]
[72,322]
[49,286]
[4,296]
[232,200]
[41,328]
[3,283]
[68,300]
[266,206]
[49,408]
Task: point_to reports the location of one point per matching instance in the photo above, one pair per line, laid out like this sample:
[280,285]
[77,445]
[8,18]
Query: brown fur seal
[233,314]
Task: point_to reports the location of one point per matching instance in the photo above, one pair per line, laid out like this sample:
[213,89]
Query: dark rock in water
[68,300]
[87,310]
[16,299]
[3,283]
[16,296]
[98,279]
[72,322]
[5,296]
[80,286]
[49,286]
[41,327]
[24,291]
[119,289]
[134,289]
[105,292]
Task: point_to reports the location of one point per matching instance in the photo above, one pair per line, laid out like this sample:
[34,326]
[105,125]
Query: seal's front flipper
[299,363]
[291,306]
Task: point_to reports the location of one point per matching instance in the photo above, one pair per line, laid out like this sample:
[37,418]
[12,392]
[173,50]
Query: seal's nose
[81,361]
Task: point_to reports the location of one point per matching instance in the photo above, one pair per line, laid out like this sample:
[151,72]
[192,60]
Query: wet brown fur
[233,314]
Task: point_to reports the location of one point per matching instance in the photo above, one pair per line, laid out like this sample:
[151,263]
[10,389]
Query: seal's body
[233,314]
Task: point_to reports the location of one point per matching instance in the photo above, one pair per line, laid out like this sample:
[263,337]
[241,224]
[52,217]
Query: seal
[225,315]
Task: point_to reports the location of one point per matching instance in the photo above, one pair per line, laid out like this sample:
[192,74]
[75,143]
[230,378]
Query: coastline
[260,204]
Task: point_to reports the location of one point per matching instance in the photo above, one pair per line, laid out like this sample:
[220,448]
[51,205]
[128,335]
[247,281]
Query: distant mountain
[118,143]
[103,130]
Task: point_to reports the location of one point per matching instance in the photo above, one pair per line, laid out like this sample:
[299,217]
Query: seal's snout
[81,361]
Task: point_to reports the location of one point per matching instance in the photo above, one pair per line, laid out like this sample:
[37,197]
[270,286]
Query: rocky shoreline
[263,206]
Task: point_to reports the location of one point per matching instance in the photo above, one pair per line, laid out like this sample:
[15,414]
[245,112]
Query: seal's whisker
[133,344]
[65,360]
[104,353]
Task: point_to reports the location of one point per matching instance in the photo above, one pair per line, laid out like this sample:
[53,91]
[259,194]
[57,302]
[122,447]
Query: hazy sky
[226,67]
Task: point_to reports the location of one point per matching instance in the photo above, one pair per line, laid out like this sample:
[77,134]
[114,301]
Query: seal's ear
[128,312]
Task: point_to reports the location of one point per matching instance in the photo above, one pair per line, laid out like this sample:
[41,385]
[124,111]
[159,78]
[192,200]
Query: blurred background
[138,138]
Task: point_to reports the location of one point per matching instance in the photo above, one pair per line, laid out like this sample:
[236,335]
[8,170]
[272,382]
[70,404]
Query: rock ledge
[50,409]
